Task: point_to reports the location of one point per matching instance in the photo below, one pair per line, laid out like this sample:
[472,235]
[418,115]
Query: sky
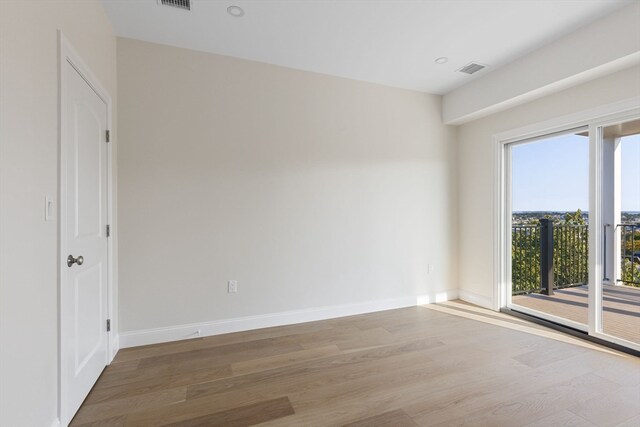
[553,174]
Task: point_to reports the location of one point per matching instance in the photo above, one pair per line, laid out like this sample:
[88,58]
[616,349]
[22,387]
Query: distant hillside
[532,217]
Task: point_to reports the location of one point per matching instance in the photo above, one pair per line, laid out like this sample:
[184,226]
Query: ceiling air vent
[180,4]
[471,68]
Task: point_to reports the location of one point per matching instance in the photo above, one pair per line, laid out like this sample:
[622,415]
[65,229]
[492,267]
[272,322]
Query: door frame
[597,241]
[593,119]
[68,54]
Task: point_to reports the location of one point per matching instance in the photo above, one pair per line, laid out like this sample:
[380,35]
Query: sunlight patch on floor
[461,309]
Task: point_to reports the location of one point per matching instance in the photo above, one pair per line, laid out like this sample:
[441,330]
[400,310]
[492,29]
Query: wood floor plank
[610,407]
[157,383]
[108,422]
[242,416]
[561,419]
[203,412]
[136,353]
[528,407]
[448,364]
[503,380]
[141,352]
[384,318]
[120,367]
[367,339]
[332,379]
[291,331]
[117,407]
[396,418]
[303,371]
[192,408]
[631,422]
[183,367]
[228,353]
[283,360]
[328,337]
[400,385]
[540,357]
[342,403]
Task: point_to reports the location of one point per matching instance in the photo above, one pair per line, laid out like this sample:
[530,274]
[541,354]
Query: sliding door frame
[596,232]
[593,120]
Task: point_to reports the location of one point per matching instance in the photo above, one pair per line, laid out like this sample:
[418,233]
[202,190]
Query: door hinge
[108,325]
[108,230]
[108,135]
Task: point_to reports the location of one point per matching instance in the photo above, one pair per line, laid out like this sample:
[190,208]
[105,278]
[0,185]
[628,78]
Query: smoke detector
[472,67]
[179,4]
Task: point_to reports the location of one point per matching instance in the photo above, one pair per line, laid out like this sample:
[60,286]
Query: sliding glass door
[549,204]
[618,298]
[570,228]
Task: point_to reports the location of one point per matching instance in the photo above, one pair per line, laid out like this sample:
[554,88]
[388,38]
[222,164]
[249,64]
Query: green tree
[574,218]
[631,272]
[630,242]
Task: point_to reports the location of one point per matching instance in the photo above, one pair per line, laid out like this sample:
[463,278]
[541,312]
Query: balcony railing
[564,247]
[630,254]
[525,259]
[547,256]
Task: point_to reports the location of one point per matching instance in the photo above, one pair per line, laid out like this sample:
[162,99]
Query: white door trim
[67,54]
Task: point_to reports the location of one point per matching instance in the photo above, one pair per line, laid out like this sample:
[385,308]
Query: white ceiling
[392,42]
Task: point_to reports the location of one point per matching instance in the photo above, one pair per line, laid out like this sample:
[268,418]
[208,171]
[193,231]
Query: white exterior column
[611,200]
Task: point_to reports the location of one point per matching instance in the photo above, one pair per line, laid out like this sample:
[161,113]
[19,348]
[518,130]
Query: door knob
[71,260]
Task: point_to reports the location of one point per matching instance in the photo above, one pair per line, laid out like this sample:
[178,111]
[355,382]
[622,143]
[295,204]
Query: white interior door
[84,248]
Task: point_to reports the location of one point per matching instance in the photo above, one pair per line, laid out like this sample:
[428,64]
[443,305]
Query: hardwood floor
[444,364]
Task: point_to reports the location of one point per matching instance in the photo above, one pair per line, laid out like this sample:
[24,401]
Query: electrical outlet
[232,286]
[430,268]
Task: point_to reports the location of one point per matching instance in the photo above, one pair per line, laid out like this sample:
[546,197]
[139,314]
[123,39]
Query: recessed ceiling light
[235,11]
[442,60]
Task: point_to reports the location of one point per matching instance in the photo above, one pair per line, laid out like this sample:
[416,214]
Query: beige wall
[309,190]
[476,168]
[28,173]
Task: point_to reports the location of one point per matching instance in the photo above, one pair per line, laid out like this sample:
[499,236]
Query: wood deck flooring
[621,304]
[444,364]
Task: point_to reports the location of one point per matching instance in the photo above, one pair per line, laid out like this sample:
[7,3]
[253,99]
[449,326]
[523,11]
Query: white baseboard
[225,326]
[56,423]
[479,300]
